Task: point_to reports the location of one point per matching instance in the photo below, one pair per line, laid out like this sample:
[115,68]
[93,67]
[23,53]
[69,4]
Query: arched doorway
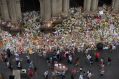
[76,3]
[108,2]
[30,5]
[100,3]
[104,2]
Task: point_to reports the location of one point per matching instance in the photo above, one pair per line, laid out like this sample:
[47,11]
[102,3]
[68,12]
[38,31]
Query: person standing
[1,76]
[81,76]
[102,71]
[62,76]
[77,62]
[46,74]
[19,66]
[17,58]
[97,56]
[73,73]
[109,60]
[89,75]
[89,57]
[110,48]
[101,61]
[70,59]
[30,73]
[28,59]
[1,57]
[8,53]
[72,76]
[7,63]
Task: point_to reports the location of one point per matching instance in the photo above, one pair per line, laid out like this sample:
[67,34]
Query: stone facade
[11,9]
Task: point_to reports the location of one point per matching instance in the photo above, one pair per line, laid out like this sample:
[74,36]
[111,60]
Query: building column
[115,5]
[87,5]
[4,10]
[18,10]
[41,8]
[12,10]
[0,9]
[94,5]
[47,10]
[84,6]
[113,2]
[56,7]
[59,7]
[45,6]
[65,6]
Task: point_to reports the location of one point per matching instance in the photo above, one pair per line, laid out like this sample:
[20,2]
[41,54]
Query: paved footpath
[112,71]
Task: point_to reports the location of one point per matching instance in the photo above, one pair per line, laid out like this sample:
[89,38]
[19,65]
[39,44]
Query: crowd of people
[79,32]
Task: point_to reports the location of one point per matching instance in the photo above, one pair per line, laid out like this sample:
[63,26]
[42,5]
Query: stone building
[11,9]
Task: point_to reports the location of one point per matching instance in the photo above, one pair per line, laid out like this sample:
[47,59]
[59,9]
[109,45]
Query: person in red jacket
[30,73]
[97,57]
